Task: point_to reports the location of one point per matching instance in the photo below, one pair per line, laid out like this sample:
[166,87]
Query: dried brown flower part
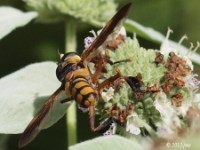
[181,131]
[113,44]
[130,107]
[159,58]
[139,95]
[192,115]
[120,115]
[180,82]
[123,115]
[177,70]
[167,87]
[177,99]
[154,88]
[177,64]
[118,84]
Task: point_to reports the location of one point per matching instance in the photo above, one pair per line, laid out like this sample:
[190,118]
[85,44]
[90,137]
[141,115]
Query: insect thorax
[68,62]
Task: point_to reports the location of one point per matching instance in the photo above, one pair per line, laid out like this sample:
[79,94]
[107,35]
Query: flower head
[51,10]
[168,86]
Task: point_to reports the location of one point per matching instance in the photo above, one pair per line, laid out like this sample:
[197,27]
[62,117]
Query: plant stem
[70,46]
[70,35]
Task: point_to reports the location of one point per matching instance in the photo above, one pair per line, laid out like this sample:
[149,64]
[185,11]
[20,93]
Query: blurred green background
[40,42]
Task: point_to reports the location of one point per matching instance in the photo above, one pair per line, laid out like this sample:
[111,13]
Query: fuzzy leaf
[145,32]
[23,93]
[11,18]
[107,143]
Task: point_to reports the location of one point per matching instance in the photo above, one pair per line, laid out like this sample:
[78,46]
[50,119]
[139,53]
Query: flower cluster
[54,11]
[168,87]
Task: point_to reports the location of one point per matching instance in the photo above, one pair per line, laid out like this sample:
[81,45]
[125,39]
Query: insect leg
[119,61]
[109,81]
[135,84]
[98,71]
[103,126]
[107,59]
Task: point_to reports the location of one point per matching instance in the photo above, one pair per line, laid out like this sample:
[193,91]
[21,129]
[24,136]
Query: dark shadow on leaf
[56,112]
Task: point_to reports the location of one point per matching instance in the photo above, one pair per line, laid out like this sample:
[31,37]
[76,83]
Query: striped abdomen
[82,92]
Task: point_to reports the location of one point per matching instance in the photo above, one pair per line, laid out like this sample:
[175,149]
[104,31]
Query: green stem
[70,35]
[70,46]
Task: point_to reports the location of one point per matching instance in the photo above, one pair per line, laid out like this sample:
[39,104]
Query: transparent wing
[38,122]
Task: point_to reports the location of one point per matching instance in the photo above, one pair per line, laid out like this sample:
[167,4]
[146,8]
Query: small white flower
[166,109]
[112,36]
[169,115]
[111,130]
[61,55]
[133,124]
[197,99]
[191,82]
[161,103]
[184,107]
[166,47]
[133,129]
[122,31]
[107,94]
[88,41]
[164,131]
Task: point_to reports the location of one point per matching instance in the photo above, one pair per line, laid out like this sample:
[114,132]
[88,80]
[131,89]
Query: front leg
[100,66]
[98,71]
[136,84]
[109,81]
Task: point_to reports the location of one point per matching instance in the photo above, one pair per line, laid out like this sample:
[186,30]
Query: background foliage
[40,42]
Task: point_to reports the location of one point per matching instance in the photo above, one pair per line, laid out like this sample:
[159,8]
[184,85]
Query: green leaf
[107,143]
[23,93]
[11,18]
[145,32]
[155,36]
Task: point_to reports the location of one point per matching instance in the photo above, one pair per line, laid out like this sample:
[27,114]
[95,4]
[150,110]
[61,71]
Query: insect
[78,82]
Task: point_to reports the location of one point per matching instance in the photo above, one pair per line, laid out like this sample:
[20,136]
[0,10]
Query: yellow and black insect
[78,82]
